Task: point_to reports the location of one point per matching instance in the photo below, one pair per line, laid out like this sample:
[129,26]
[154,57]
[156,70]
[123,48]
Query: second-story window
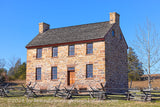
[39,53]
[120,36]
[113,33]
[71,50]
[89,48]
[55,52]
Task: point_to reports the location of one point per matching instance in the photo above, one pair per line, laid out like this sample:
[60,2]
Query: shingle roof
[71,34]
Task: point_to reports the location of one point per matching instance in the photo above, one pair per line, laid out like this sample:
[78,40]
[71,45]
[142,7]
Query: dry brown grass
[135,84]
[17,81]
[144,84]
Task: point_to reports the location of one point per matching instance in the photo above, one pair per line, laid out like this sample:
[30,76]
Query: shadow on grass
[154,100]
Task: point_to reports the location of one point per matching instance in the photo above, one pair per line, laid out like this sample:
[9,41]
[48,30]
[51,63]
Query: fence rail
[100,93]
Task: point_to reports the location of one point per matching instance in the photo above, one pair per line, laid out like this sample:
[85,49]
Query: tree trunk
[130,84]
[149,82]
[149,64]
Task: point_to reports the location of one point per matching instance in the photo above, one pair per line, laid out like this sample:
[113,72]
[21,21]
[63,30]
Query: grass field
[58,102]
[50,101]
[142,84]
[135,84]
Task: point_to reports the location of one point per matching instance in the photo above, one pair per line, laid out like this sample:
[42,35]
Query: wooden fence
[100,93]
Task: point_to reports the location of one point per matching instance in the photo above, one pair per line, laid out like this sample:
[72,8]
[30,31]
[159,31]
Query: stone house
[87,54]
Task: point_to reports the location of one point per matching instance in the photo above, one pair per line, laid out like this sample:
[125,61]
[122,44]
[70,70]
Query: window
[89,71]
[70,68]
[89,48]
[54,73]
[55,52]
[120,36]
[113,33]
[38,73]
[39,53]
[71,50]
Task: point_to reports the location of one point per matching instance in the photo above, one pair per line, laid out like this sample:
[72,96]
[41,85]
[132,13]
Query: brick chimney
[43,27]
[114,18]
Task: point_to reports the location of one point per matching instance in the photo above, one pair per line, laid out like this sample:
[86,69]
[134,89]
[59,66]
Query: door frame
[68,76]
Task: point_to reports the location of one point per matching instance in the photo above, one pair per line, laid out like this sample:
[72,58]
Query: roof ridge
[90,31]
[79,25]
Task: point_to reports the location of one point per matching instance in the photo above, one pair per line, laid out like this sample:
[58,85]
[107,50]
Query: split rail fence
[100,93]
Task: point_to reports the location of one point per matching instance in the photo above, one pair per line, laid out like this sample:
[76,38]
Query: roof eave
[67,43]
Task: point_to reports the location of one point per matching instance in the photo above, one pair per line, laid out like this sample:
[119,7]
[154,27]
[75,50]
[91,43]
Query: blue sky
[19,18]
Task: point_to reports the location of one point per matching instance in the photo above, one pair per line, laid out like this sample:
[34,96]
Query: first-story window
[89,73]
[39,53]
[38,73]
[70,68]
[54,73]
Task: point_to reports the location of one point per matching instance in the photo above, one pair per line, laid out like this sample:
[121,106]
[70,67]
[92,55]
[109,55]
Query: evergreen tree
[18,71]
[21,73]
[134,66]
[11,71]
[3,75]
[17,65]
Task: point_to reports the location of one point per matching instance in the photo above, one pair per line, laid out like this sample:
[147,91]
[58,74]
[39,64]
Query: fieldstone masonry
[43,27]
[63,61]
[109,61]
[116,59]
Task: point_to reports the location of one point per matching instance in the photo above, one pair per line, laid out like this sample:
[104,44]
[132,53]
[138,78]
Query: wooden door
[71,77]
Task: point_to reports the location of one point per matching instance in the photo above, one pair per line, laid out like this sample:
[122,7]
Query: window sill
[38,80]
[38,58]
[54,79]
[90,54]
[89,78]
[71,56]
[55,57]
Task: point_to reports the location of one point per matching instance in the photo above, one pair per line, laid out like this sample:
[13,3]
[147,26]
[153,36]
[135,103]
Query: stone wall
[109,61]
[116,59]
[63,61]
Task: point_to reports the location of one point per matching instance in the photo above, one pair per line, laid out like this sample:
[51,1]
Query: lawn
[49,101]
[59,102]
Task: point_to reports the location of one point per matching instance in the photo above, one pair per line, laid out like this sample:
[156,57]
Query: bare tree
[11,62]
[13,65]
[148,48]
[2,63]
